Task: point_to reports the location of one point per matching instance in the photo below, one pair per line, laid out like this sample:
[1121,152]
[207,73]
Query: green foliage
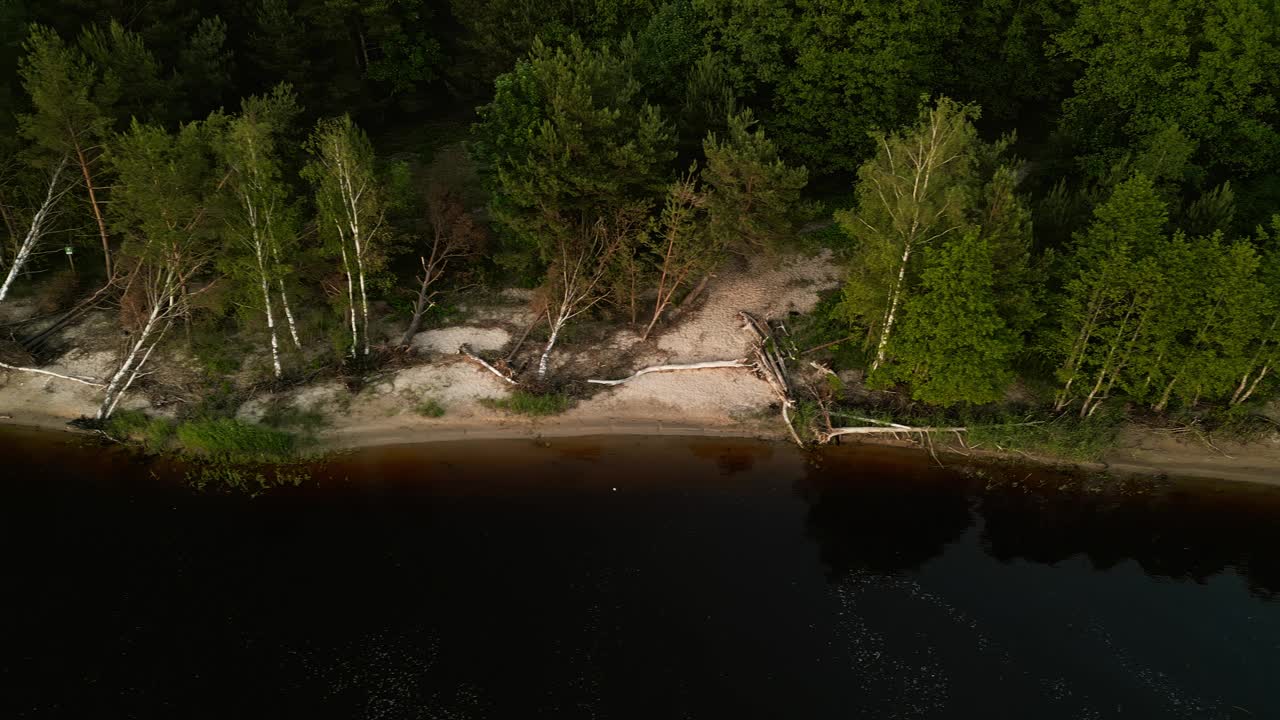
[1203,65]
[63,87]
[133,87]
[153,433]
[523,402]
[915,191]
[429,407]
[568,140]
[754,194]
[955,347]
[232,439]
[1067,436]
[834,71]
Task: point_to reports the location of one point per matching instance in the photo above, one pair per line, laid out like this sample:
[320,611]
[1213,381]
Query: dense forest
[1079,197]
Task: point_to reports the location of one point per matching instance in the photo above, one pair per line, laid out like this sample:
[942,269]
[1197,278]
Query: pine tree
[67,118]
[754,194]
[166,185]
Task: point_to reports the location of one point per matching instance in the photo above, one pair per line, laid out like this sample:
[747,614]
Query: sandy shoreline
[728,403]
[1186,465]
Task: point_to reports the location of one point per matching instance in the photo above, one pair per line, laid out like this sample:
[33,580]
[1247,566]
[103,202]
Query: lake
[630,577]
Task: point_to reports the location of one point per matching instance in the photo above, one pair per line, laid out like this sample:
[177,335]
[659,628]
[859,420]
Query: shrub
[429,407]
[522,402]
[1067,436]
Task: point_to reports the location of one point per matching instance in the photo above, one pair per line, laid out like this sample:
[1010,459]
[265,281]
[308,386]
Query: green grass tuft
[429,407]
[1066,437]
[236,441]
[522,402]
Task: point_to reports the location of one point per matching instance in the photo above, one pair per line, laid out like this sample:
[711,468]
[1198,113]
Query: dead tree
[576,278]
[454,235]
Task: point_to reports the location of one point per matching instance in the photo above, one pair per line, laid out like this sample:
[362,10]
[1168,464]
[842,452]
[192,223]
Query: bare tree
[575,280]
[454,236]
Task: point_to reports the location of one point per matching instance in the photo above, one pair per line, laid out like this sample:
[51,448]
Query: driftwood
[72,378]
[713,364]
[892,430]
[465,351]
[772,366]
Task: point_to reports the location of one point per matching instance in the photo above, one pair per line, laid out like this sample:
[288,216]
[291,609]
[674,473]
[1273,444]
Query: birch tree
[66,117]
[352,207]
[1263,353]
[681,244]
[259,225]
[578,270]
[41,222]
[914,192]
[1216,312]
[1110,290]
[165,184]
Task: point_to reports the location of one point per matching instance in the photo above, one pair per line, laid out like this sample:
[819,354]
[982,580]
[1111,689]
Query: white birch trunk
[1262,374]
[288,315]
[35,233]
[883,344]
[271,320]
[546,352]
[351,301]
[112,391]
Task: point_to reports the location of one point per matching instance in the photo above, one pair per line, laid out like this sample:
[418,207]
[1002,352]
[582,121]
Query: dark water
[630,578]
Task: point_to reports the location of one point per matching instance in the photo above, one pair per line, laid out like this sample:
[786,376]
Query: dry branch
[465,351]
[72,378]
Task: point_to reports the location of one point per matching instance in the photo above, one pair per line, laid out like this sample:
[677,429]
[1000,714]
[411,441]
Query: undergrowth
[523,402]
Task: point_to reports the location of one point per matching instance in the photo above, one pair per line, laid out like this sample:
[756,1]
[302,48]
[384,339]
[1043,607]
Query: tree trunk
[93,202]
[34,234]
[288,315]
[546,352]
[351,301]
[109,400]
[271,320]
[1261,374]
[894,296]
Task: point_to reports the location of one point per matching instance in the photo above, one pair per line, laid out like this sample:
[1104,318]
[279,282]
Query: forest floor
[432,393]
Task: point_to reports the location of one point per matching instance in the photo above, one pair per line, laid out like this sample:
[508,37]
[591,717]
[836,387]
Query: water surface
[630,578]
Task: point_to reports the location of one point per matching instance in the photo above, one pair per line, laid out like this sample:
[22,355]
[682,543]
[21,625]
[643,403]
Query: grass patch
[153,433]
[429,407]
[1067,436]
[229,476]
[282,415]
[236,441]
[522,402]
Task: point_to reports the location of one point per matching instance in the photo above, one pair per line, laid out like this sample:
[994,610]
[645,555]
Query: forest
[1079,199]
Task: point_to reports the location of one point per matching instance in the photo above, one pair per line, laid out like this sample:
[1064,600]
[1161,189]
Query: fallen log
[893,430]
[710,365]
[466,352]
[72,378]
